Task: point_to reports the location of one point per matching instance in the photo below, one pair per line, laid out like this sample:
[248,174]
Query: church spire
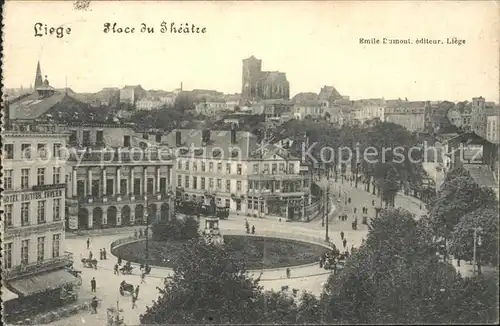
[38,76]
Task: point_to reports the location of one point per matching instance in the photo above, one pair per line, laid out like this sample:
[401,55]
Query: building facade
[148,104]
[410,115]
[230,167]
[113,174]
[131,94]
[34,259]
[492,129]
[263,85]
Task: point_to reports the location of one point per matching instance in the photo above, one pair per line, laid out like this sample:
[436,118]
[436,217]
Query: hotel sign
[32,196]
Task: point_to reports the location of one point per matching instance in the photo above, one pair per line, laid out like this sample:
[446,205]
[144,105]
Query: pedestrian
[135,233]
[116,270]
[342,235]
[134,299]
[253,229]
[345,242]
[88,243]
[100,255]
[93,304]
[137,291]
[354,210]
[104,253]
[93,285]
[349,200]
[143,278]
[288,272]
[140,233]
[90,255]
[373,202]
[119,260]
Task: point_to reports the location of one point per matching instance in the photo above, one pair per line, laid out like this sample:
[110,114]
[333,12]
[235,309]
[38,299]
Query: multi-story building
[148,104]
[131,94]
[273,109]
[369,109]
[263,85]
[330,94]
[492,132]
[410,115]
[313,108]
[239,173]
[211,107]
[34,260]
[113,173]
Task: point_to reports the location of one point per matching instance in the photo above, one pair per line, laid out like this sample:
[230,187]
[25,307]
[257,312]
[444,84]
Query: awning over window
[8,295]
[42,282]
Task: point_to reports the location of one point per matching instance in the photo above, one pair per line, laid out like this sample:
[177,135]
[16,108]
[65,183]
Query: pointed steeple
[38,76]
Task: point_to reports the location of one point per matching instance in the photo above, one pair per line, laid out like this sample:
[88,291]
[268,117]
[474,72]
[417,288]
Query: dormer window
[216,153]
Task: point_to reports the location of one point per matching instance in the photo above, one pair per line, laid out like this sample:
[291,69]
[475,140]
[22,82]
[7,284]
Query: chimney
[178,142]
[233,135]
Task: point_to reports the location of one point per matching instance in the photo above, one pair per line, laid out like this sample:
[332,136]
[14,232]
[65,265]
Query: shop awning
[42,282]
[8,295]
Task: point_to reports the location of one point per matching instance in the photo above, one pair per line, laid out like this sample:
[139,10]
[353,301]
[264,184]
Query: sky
[314,43]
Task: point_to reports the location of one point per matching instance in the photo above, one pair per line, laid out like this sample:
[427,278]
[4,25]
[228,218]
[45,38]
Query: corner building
[240,173]
[34,260]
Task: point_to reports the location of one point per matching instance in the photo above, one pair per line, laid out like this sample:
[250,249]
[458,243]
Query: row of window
[194,166]
[274,167]
[25,212]
[27,149]
[41,177]
[202,185]
[218,201]
[25,249]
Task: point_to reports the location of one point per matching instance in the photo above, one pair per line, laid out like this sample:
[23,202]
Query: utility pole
[327,238]
[324,207]
[147,233]
[478,242]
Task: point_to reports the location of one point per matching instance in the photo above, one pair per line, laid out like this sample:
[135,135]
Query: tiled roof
[273,77]
[327,92]
[405,104]
[32,106]
[313,103]
[304,97]
[219,139]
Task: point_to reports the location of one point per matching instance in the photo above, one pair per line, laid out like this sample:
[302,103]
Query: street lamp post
[147,233]
[327,238]
[477,240]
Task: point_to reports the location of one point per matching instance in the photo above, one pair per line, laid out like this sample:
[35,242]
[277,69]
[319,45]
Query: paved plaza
[308,277]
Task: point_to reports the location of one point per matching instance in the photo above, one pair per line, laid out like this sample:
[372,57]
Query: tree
[462,237]
[176,229]
[394,277]
[459,195]
[308,310]
[208,286]
[390,187]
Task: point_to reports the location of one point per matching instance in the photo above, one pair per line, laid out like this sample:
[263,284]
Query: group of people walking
[247,227]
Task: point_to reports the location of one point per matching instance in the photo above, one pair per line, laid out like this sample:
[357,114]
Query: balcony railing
[19,271]
[28,229]
[276,176]
[49,187]
[107,199]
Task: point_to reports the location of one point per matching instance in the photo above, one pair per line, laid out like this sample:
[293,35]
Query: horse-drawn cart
[125,287]
[89,263]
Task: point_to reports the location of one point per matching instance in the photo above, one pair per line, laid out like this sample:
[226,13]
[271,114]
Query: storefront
[39,293]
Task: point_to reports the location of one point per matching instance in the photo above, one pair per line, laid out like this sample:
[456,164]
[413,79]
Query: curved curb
[254,271]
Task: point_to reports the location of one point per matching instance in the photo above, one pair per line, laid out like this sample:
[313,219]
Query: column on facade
[132,215]
[104,216]
[90,221]
[89,181]
[157,180]
[145,182]
[118,179]
[131,186]
[170,176]
[118,216]
[103,177]
[75,182]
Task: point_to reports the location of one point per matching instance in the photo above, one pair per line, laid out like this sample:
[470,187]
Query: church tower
[38,76]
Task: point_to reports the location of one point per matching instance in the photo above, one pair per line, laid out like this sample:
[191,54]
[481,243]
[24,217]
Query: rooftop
[33,106]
